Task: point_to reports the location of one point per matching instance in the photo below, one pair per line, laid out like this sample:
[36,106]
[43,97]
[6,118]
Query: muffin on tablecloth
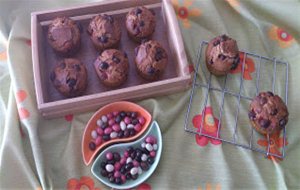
[151,60]
[112,67]
[105,32]
[140,23]
[64,36]
[268,113]
[222,55]
[69,77]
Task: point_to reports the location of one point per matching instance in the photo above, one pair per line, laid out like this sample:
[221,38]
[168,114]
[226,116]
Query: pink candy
[115,113]
[109,116]
[123,160]
[137,127]
[98,141]
[111,122]
[123,178]
[117,174]
[151,139]
[109,156]
[127,120]
[116,127]
[99,131]
[126,154]
[136,163]
[153,154]
[141,120]
[107,130]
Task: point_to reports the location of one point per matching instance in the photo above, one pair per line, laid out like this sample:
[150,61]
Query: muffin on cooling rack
[151,60]
[64,36]
[222,55]
[140,23]
[69,77]
[105,32]
[112,67]
[268,113]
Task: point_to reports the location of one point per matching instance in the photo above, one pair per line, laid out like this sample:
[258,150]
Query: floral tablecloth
[44,154]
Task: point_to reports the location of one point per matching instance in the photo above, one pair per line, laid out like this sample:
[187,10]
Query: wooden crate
[52,104]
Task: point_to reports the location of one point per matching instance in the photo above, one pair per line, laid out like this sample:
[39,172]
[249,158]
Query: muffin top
[105,31]
[222,54]
[63,34]
[140,22]
[112,67]
[269,112]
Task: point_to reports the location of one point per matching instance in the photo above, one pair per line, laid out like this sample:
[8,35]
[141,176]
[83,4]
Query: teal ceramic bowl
[153,130]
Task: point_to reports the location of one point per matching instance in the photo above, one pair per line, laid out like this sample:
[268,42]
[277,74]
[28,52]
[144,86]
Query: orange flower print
[248,68]
[209,186]
[85,183]
[283,38]
[210,128]
[3,56]
[185,11]
[276,142]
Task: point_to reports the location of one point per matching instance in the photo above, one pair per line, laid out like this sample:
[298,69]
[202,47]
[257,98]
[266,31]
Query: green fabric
[36,153]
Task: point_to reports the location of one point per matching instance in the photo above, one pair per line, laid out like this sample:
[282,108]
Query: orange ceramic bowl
[87,153]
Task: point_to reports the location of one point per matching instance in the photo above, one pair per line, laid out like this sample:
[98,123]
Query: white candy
[155,146]
[129,159]
[130,126]
[99,122]
[143,145]
[133,171]
[109,168]
[94,134]
[149,147]
[113,135]
[144,157]
[104,118]
[140,171]
[122,125]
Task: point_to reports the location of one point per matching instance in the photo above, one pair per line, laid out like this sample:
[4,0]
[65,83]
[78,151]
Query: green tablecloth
[45,154]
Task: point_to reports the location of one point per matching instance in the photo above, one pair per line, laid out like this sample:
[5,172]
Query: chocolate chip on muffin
[268,113]
[140,23]
[64,36]
[112,67]
[69,77]
[105,32]
[151,60]
[222,55]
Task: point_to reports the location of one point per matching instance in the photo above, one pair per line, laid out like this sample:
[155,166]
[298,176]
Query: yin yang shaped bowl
[120,148]
[87,153]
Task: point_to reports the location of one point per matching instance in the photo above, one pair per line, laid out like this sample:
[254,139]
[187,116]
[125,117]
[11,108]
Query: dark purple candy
[128,166]
[118,180]
[92,145]
[121,134]
[264,123]
[52,76]
[135,121]
[132,132]
[103,164]
[104,125]
[130,150]
[150,160]
[133,115]
[128,175]
[128,114]
[106,137]
[103,65]
[134,177]
[112,162]
[282,122]
[123,114]
[111,179]
[118,119]
[116,156]
[123,170]
[126,133]
[104,173]
[144,166]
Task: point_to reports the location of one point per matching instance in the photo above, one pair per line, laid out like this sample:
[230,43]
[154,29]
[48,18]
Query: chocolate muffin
[112,67]
[151,60]
[140,23]
[69,77]
[268,113]
[64,36]
[105,32]
[222,55]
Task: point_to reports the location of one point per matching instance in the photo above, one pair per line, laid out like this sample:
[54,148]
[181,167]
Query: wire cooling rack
[202,83]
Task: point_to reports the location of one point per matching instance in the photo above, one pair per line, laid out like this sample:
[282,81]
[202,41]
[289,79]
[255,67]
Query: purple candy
[151,139]
[111,122]
[142,120]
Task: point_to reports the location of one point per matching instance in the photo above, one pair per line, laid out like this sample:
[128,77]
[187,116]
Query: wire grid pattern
[196,86]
